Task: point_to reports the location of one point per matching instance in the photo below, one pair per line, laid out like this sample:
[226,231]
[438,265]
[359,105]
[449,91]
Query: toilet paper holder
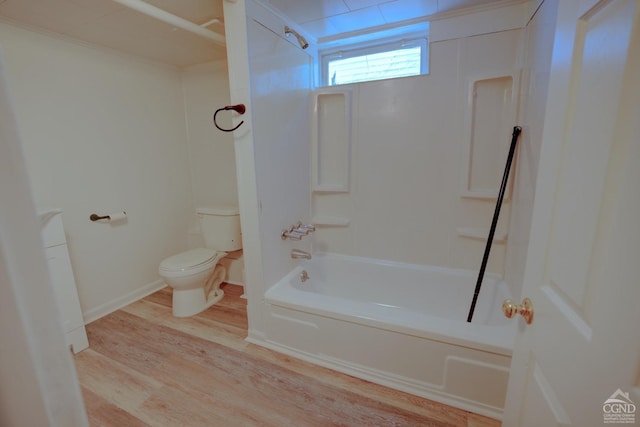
[95,217]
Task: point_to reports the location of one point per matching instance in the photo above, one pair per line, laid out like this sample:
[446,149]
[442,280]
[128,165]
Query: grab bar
[494,222]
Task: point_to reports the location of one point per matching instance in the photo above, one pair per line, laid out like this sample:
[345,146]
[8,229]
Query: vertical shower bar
[494,222]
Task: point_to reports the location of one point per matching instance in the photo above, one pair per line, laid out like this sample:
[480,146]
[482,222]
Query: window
[382,61]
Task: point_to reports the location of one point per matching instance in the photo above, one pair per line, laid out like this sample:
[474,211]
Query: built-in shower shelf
[330,222]
[481,234]
[489,195]
[331,189]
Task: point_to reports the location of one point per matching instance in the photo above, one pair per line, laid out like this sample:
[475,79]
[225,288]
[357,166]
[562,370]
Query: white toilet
[195,275]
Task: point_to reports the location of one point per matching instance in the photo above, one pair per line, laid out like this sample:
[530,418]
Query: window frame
[377,46]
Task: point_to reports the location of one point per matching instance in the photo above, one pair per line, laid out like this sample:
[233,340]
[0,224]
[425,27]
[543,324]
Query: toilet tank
[221,227]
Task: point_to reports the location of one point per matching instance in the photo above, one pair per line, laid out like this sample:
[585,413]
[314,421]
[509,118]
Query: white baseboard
[111,306]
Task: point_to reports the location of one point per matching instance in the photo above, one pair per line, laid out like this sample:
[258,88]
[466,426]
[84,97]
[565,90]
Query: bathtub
[400,325]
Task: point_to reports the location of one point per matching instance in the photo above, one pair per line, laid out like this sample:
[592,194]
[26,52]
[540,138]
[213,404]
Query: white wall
[211,151]
[103,132]
[408,155]
[272,77]
[280,84]
[235,21]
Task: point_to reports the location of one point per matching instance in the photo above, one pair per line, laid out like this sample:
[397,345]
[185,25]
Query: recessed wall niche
[489,118]
[330,140]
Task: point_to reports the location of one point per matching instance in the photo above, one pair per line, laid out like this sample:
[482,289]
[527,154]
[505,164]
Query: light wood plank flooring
[145,367]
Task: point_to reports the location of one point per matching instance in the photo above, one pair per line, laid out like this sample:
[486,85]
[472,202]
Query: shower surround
[420,158]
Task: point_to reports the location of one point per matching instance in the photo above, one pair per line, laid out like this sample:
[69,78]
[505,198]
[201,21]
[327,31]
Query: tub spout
[298,254]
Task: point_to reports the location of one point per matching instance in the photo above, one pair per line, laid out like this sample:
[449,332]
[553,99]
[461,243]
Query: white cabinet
[57,253]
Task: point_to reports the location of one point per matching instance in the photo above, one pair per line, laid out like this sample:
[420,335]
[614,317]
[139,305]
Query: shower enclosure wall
[412,176]
[272,76]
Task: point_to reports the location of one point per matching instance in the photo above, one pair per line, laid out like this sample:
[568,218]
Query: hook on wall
[239,108]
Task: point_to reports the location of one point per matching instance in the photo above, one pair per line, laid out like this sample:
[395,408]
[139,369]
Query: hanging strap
[494,222]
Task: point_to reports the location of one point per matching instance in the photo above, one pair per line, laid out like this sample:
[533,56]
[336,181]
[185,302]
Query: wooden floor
[145,367]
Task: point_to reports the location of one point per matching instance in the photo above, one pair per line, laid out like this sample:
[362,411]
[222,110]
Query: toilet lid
[188,260]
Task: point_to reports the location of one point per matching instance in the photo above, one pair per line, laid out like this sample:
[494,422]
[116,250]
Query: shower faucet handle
[297,231]
[291,234]
[297,228]
[309,228]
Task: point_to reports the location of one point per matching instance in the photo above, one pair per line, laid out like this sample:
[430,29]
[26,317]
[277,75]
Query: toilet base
[190,302]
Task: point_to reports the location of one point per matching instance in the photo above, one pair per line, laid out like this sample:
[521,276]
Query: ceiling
[116,26]
[329,18]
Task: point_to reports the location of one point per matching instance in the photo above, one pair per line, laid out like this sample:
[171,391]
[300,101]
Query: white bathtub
[400,325]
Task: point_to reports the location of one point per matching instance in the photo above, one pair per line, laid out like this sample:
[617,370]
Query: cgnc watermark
[619,409]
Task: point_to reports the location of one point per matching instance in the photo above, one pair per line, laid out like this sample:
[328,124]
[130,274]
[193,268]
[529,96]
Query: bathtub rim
[401,264]
[498,339]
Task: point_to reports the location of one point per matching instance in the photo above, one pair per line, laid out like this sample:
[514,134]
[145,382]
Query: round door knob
[510,309]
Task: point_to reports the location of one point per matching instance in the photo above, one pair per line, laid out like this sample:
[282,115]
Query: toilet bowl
[196,275]
[194,279]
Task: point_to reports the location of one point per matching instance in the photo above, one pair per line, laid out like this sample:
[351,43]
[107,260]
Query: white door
[583,264]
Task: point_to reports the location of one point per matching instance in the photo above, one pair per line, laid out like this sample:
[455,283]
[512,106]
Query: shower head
[301,40]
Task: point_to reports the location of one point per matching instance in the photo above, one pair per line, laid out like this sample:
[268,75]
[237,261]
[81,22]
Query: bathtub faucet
[298,254]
